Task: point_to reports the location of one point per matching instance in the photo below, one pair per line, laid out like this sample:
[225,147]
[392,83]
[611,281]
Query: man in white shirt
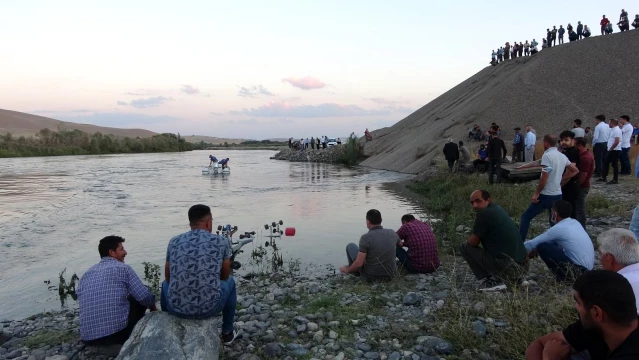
[577,129]
[566,248]
[600,143]
[549,188]
[614,149]
[619,252]
[529,143]
[626,135]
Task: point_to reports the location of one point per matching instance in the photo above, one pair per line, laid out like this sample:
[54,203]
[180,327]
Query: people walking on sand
[577,129]
[549,187]
[604,24]
[566,248]
[580,30]
[561,32]
[111,297]
[586,168]
[600,143]
[502,255]
[418,237]
[198,282]
[529,144]
[526,48]
[496,150]
[607,320]
[614,150]
[518,146]
[626,135]
[374,258]
[570,186]
[451,153]
[554,36]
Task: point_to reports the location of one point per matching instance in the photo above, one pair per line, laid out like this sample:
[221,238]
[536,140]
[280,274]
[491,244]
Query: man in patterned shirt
[198,284]
[111,296]
[418,237]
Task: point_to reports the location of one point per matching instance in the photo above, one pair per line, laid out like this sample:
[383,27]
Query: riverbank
[321,314]
[275,148]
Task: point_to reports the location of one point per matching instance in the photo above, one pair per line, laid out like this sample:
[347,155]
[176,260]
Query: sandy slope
[576,80]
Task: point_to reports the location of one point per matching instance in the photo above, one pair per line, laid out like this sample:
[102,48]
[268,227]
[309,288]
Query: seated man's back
[379,245]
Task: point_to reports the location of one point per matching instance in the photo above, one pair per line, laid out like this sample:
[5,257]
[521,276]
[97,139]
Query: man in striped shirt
[112,297]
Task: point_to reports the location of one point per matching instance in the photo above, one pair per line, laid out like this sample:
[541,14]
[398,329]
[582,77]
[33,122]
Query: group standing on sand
[319,143]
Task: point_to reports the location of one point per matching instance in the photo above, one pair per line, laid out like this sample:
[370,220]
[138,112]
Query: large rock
[160,336]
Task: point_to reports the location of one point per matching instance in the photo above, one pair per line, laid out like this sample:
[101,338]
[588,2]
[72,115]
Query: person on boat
[224,163]
[213,159]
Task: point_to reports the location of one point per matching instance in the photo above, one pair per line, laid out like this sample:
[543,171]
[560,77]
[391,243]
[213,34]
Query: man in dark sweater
[570,187]
[494,150]
[451,153]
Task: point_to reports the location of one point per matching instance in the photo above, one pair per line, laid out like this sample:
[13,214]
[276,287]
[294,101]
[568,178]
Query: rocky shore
[321,314]
[328,155]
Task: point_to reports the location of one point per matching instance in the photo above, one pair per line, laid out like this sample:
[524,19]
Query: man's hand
[555,349]
[400,243]
[153,308]
[344,269]
[535,198]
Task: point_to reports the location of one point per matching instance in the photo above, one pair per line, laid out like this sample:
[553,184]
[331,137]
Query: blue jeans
[402,256]
[557,261]
[545,203]
[634,223]
[225,304]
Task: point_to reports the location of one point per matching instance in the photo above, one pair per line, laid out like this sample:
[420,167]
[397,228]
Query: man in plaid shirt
[112,297]
[421,256]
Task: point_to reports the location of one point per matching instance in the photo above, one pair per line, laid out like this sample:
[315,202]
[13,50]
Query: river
[54,211]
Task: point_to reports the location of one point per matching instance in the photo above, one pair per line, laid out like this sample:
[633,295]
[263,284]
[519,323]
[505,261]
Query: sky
[257,69]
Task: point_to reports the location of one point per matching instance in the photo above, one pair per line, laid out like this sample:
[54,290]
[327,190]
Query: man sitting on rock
[566,248]
[607,327]
[419,238]
[502,256]
[111,296]
[619,252]
[198,284]
[374,258]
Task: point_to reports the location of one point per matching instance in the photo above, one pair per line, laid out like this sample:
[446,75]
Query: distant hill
[211,139]
[580,79]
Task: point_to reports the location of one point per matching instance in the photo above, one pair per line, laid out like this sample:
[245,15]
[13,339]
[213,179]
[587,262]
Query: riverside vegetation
[287,311]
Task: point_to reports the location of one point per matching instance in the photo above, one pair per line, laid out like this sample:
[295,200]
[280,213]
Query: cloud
[281,109]
[254,91]
[305,83]
[216,113]
[122,103]
[139,92]
[189,89]
[149,102]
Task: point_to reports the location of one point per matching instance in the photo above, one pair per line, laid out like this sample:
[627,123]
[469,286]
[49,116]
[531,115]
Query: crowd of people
[556,36]
[314,143]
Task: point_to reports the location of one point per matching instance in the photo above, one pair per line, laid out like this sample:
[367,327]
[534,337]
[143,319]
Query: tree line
[75,142]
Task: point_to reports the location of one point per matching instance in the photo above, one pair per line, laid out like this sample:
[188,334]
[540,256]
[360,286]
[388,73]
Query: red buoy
[290,231]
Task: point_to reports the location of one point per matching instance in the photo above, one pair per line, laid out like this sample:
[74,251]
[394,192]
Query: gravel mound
[550,89]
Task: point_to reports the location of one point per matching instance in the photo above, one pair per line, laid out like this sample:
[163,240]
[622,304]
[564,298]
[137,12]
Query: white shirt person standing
[614,150]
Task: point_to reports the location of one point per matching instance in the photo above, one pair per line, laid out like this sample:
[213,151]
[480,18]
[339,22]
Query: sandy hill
[550,89]
[22,124]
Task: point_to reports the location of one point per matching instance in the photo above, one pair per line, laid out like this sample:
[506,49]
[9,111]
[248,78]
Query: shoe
[227,339]
[612,182]
[601,180]
[490,284]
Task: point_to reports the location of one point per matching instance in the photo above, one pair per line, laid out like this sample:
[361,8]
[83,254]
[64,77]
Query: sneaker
[227,339]
[490,284]
[612,182]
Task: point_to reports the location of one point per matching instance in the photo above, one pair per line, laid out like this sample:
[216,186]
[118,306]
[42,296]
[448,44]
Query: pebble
[479,328]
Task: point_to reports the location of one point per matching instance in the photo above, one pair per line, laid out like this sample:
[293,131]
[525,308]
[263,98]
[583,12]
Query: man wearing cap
[518,146]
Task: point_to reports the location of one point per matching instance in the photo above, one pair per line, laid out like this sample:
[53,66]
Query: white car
[331,142]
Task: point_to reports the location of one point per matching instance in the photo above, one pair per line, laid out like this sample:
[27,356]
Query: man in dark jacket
[548,37]
[496,151]
[561,32]
[572,36]
[580,30]
[451,153]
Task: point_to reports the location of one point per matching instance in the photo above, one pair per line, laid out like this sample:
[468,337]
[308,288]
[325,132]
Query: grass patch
[352,153]
[50,338]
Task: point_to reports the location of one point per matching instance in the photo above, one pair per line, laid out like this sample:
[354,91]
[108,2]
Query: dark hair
[198,212]
[407,218]
[611,292]
[374,216]
[109,243]
[625,117]
[600,118]
[567,134]
[563,208]
[485,195]
[580,141]
[577,121]
[550,139]
[461,143]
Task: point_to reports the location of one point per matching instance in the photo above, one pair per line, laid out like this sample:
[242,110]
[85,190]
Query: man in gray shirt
[374,258]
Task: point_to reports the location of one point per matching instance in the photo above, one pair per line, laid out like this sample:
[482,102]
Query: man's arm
[542,183]
[357,264]
[549,347]
[137,289]
[614,145]
[226,269]
[549,235]
[474,240]
[401,234]
[571,171]
[167,271]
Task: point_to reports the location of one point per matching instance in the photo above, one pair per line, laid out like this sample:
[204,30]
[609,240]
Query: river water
[54,211]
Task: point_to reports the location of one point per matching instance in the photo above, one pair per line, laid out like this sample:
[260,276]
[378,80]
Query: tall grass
[352,152]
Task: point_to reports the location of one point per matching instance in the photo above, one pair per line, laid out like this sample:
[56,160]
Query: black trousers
[612,159]
[136,313]
[569,193]
[599,151]
[494,166]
